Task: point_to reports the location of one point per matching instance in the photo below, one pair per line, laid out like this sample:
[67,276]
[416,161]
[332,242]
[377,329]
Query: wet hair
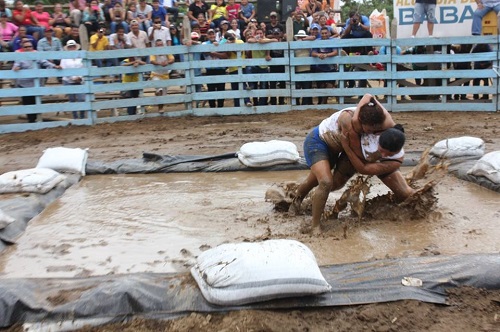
[392,139]
[371,113]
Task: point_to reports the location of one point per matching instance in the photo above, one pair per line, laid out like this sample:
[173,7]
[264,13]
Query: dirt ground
[469,310]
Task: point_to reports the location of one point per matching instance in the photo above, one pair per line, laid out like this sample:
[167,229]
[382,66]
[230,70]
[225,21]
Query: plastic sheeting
[109,298]
[23,208]
[229,162]
[459,168]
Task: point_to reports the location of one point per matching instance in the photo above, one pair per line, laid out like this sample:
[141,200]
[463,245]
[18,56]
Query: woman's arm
[378,168]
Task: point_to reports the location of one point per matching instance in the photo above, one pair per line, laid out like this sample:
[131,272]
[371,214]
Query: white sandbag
[488,166]
[235,274]
[64,160]
[263,154]
[465,146]
[34,180]
[5,219]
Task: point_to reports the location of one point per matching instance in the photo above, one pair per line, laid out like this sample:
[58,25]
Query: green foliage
[366,7]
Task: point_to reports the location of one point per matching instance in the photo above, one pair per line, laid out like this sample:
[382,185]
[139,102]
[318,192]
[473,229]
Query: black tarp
[97,300]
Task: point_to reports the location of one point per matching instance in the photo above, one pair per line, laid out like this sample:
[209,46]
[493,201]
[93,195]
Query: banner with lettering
[454,18]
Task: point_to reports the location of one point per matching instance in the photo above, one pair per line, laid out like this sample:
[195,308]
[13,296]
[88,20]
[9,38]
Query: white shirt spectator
[139,41]
[163,34]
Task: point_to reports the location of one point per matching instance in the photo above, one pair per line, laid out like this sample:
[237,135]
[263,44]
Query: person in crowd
[260,38]
[161,72]
[23,16]
[74,34]
[215,71]
[5,10]
[299,21]
[277,34]
[158,31]
[217,13]
[99,42]
[107,6]
[195,27]
[196,8]
[49,42]
[93,17]
[483,8]
[481,48]
[41,16]
[193,41]
[247,12]
[323,149]
[76,9]
[303,69]
[132,13]
[417,66]
[175,34]
[357,26]
[331,18]
[71,45]
[22,64]
[119,40]
[60,21]
[272,25]
[203,25]
[223,29]
[137,37]
[7,32]
[322,23]
[462,49]
[323,53]
[233,12]
[144,12]
[235,30]
[118,17]
[252,27]
[171,8]
[235,86]
[314,31]
[312,7]
[160,12]
[424,9]
[22,34]
[132,77]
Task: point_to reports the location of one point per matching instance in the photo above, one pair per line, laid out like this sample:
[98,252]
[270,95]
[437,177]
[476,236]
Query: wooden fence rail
[395,84]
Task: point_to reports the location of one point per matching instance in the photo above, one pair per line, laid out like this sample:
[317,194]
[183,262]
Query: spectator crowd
[123,24]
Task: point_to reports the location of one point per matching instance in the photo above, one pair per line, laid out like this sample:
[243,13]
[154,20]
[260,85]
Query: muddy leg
[302,190]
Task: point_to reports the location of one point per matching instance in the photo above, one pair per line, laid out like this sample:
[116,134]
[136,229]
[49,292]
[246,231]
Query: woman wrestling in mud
[339,133]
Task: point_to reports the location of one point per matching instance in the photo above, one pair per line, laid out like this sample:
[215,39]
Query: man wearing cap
[303,69]
[273,24]
[314,31]
[215,71]
[71,45]
[98,42]
[137,37]
[49,43]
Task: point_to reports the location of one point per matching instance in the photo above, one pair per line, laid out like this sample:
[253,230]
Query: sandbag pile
[467,160]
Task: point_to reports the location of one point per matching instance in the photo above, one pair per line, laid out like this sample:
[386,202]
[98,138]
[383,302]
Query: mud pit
[466,219]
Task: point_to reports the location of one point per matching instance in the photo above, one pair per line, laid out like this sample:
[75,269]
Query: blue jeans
[73,98]
[477,18]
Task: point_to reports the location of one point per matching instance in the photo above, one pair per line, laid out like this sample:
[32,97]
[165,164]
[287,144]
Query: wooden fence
[394,85]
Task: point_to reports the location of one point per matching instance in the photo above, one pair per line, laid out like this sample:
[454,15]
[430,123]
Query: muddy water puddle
[113,224]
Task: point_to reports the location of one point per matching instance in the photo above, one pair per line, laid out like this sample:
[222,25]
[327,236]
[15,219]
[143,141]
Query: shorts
[315,149]
[424,10]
